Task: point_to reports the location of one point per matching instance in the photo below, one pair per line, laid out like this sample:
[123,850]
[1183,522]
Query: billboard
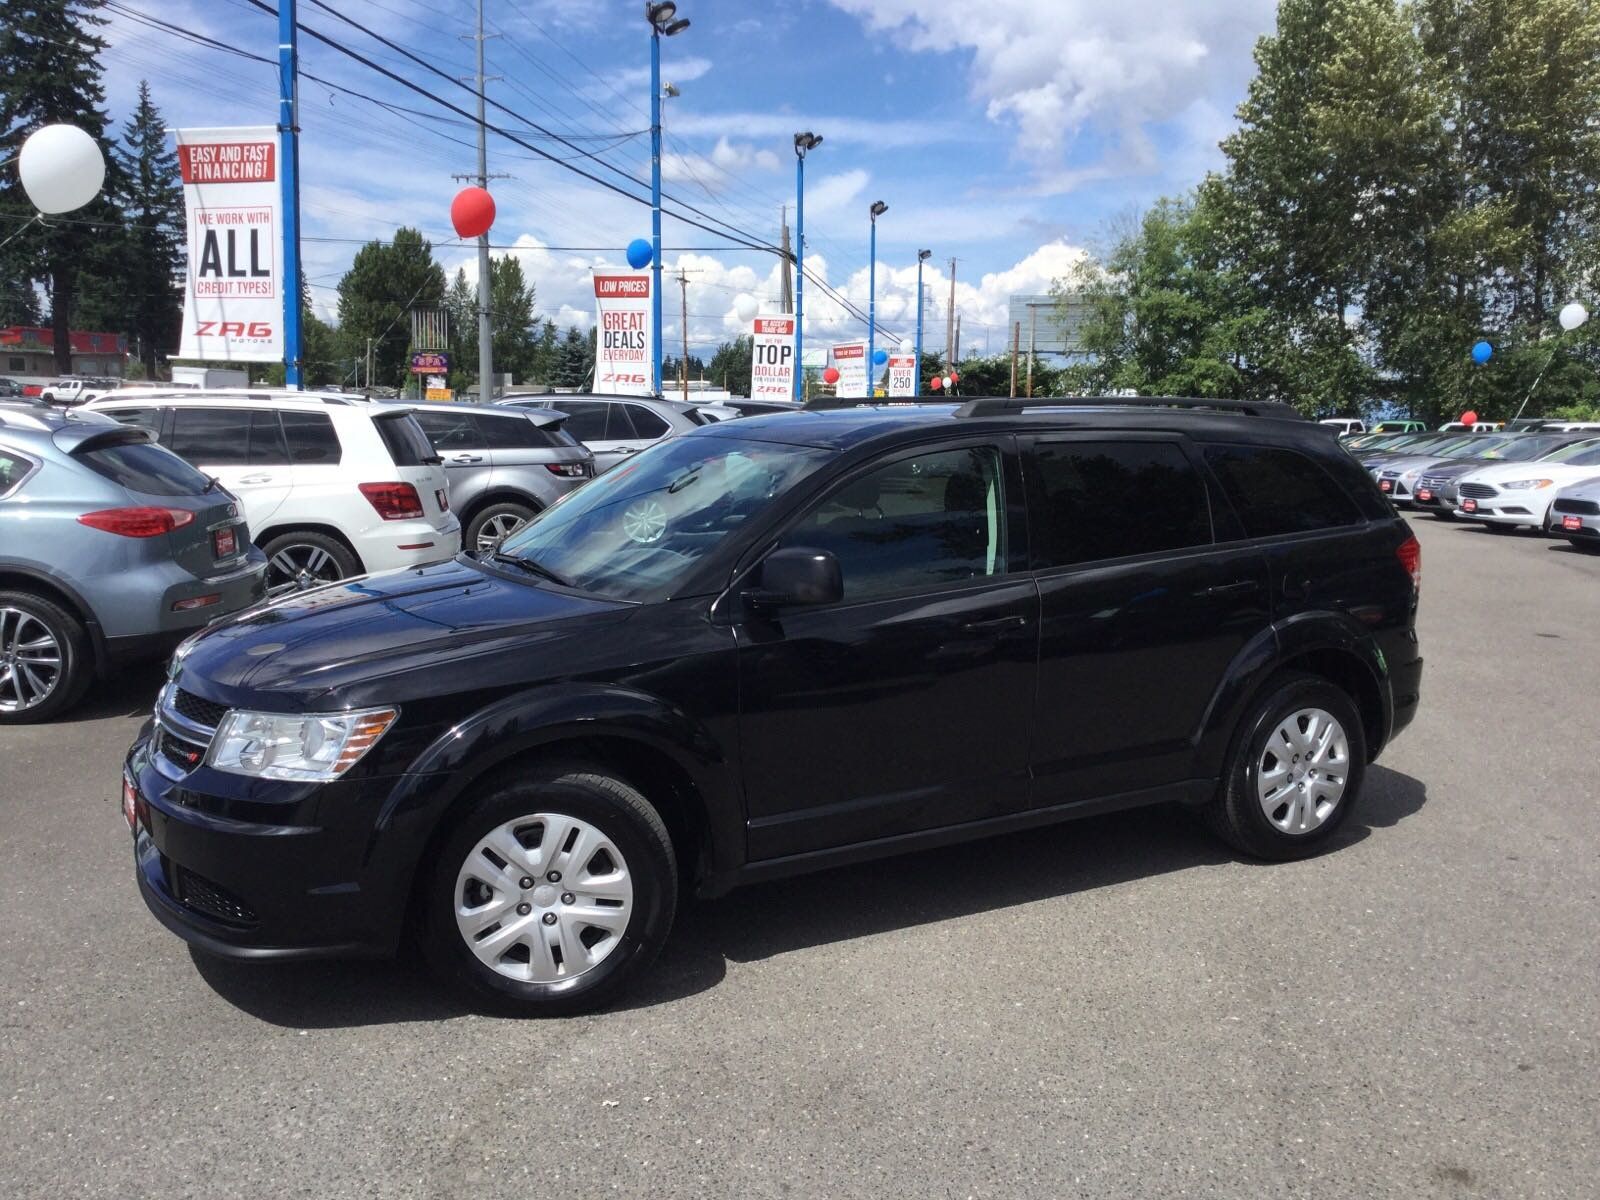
[772,359]
[902,374]
[1056,322]
[850,358]
[430,362]
[233,293]
[622,363]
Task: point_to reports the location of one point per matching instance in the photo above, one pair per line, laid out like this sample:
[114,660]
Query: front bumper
[1584,526]
[1507,508]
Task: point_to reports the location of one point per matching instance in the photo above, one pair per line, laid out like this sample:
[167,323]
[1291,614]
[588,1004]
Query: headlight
[1519,484]
[310,746]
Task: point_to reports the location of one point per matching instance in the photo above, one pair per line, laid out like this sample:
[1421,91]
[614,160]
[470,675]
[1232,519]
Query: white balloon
[61,168]
[1573,315]
[948,382]
[907,346]
[746,307]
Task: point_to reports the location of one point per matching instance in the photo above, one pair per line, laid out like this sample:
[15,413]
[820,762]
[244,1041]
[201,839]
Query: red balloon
[1469,417]
[830,375]
[472,212]
[936,383]
[954,378]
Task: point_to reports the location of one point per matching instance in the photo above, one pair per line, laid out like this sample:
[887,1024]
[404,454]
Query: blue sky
[1007,133]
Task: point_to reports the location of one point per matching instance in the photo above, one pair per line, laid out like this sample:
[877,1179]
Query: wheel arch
[282,527]
[14,577]
[503,495]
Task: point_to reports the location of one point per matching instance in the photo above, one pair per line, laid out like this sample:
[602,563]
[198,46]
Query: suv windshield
[638,530]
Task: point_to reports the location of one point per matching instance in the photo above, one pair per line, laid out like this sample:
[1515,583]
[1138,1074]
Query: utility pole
[369,363]
[1016,347]
[955,354]
[683,286]
[1033,325]
[786,268]
[485,282]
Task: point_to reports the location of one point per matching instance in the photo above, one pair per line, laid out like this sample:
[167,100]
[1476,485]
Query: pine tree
[152,205]
[49,62]
[383,284]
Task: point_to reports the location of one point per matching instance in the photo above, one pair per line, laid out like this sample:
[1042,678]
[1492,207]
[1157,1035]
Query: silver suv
[616,426]
[504,465]
[111,549]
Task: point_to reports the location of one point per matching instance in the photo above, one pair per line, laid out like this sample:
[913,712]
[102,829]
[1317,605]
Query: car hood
[1501,473]
[368,631]
[1584,489]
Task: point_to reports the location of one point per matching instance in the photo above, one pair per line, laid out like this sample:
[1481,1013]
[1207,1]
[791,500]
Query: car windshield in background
[1582,454]
[1522,449]
[143,467]
[639,529]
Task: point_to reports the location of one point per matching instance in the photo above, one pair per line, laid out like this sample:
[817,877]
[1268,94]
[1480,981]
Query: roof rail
[999,406]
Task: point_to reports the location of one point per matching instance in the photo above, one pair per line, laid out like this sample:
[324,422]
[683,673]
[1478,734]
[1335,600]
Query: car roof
[243,399]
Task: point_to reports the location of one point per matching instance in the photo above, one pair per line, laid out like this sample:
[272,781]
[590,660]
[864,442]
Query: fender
[1302,633]
[47,575]
[542,716]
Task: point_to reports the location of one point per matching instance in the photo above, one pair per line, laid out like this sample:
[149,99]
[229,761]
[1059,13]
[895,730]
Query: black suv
[774,645]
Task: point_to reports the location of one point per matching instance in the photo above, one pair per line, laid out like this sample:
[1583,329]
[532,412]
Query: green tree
[513,322]
[572,360]
[50,68]
[730,366]
[384,283]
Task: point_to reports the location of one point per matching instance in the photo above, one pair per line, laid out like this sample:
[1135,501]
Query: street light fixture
[916,376]
[803,142]
[664,22]
[877,210]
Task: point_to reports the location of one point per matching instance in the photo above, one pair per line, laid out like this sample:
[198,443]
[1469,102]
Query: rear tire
[506,934]
[1295,771]
[46,659]
[301,559]
[495,523]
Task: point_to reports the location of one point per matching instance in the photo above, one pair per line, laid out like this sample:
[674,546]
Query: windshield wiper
[532,567]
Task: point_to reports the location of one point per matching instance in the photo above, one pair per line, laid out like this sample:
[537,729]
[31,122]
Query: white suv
[329,490]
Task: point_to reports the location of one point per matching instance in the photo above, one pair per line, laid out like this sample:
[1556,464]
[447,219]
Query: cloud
[1050,68]
[886,134]
[725,166]
[678,71]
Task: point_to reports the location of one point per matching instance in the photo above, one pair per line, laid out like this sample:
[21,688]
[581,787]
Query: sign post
[772,361]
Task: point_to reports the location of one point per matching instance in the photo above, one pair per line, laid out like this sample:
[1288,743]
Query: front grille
[1432,482]
[1579,508]
[1478,491]
[200,894]
[180,751]
[198,709]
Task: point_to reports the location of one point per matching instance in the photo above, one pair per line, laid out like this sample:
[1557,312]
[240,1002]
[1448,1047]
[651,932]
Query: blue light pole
[877,210]
[802,143]
[916,374]
[289,152]
[660,14]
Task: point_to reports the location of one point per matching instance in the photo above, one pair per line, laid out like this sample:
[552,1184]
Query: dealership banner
[622,343]
[772,359]
[902,374]
[233,296]
[850,359]
[430,362]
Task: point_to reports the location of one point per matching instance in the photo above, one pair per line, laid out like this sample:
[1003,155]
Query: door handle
[996,624]
[1237,588]
[256,479]
[627,449]
[466,458]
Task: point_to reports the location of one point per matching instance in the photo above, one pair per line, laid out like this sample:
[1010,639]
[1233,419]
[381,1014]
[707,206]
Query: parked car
[111,550]
[614,427]
[1504,496]
[505,465]
[76,389]
[1398,474]
[331,489]
[9,387]
[1575,514]
[1400,427]
[751,408]
[1433,488]
[1474,427]
[1346,426]
[1399,445]
[773,645]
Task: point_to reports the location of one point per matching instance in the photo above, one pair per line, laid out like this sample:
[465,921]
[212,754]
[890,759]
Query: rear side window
[1099,500]
[646,424]
[586,421]
[1278,491]
[514,433]
[451,430]
[311,438]
[13,470]
[212,437]
[144,467]
[408,446]
[266,441]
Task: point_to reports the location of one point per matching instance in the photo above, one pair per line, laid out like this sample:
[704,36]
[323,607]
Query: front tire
[46,663]
[551,892]
[494,524]
[1295,772]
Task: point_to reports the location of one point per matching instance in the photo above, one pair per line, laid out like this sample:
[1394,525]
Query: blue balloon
[639,254]
[879,357]
[1481,353]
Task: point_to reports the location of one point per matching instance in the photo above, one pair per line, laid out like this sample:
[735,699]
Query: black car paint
[777,742]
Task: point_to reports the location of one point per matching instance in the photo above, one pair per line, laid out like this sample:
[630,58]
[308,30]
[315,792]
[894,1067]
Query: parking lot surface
[1114,1007]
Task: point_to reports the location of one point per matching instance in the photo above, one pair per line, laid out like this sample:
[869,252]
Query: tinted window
[514,433]
[451,430]
[142,418]
[646,424]
[12,468]
[918,523]
[212,437]
[266,441]
[1096,500]
[145,467]
[1279,491]
[586,421]
[408,446]
[311,437]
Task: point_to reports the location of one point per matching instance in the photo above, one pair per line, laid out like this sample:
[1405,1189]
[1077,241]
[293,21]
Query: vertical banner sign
[233,302]
[622,344]
[772,359]
[850,358]
[902,374]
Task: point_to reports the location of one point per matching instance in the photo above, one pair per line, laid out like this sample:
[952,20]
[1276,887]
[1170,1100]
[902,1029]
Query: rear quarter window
[407,444]
[144,467]
[14,468]
[311,438]
[1275,491]
[517,433]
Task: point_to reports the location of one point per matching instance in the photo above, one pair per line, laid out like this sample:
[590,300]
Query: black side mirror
[798,575]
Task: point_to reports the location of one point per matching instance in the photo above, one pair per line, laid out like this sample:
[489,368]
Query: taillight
[141,522]
[394,501]
[567,470]
[1410,556]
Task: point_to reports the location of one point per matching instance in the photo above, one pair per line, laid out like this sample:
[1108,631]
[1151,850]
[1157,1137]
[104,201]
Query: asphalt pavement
[1115,1007]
